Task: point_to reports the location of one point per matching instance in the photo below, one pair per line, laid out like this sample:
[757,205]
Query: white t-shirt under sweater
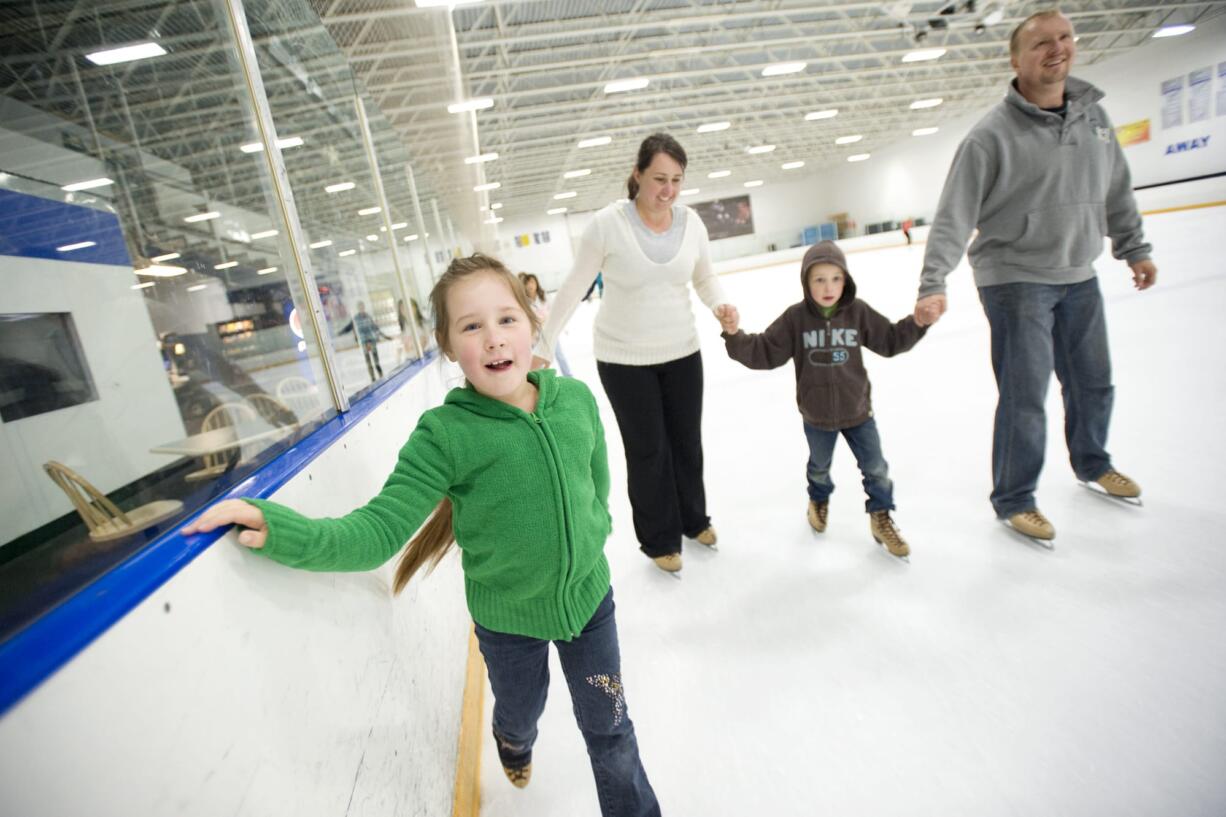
[645,316]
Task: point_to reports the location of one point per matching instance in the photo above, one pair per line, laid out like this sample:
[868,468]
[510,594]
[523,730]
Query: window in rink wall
[143,244]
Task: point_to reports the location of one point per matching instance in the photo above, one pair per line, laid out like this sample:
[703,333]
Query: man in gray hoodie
[1043,179]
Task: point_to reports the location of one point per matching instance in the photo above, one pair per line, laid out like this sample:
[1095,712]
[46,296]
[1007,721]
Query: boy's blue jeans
[1037,328]
[865,443]
[518,668]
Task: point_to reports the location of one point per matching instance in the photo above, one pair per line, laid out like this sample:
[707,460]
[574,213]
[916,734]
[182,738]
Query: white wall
[107,440]
[549,262]
[242,687]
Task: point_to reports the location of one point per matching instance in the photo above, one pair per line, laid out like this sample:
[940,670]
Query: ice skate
[885,532]
[1033,526]
[817,515]
[516,764]
[707,537]
[670,563]
[1114,485]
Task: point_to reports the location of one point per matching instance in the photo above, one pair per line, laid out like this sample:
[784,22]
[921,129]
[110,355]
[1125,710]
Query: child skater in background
[515,463]
[540,305]
[822,336]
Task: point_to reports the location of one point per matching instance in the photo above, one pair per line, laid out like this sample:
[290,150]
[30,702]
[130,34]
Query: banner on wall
[1172,103]
[726,218]
[1134,133]
[1200,94]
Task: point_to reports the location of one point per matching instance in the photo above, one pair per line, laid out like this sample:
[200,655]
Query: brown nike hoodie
[832,387]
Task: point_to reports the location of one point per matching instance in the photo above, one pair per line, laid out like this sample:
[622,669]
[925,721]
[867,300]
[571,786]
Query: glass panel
[135,202]
[313,99]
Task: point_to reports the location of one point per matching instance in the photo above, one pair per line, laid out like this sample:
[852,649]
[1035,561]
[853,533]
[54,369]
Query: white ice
[794,673]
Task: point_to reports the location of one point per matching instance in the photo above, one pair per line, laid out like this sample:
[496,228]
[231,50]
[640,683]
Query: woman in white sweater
[651,250]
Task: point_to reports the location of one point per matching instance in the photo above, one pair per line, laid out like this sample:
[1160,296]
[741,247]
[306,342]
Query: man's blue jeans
[1035,328]
[518,668]
[865,443]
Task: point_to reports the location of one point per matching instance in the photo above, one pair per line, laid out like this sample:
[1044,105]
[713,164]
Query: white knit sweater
[645,316]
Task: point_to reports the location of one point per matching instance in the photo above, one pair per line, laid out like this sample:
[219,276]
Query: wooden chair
[103,518]
[227,414]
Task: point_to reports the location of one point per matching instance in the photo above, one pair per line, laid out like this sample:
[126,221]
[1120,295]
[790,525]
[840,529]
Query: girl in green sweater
[513,469]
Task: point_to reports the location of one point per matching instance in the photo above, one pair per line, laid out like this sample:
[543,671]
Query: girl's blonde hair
[435,537]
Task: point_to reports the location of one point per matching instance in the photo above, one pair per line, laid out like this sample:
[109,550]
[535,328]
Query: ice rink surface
[794,673]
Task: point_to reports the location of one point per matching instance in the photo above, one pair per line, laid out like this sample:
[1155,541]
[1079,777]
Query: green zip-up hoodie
[530,508]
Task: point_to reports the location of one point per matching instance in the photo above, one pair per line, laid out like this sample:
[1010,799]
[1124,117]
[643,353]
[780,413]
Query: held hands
[729,318]
[234,512]
[1144,274]
[929,309]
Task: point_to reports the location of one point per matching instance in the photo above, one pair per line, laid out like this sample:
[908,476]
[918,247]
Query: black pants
[659,414]
[371,350]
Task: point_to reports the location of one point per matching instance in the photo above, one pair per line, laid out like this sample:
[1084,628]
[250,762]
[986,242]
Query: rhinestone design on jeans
[611,685]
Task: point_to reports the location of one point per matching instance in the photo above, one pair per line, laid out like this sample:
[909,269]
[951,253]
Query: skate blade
[1046,544]
[886,551]
[1100,491]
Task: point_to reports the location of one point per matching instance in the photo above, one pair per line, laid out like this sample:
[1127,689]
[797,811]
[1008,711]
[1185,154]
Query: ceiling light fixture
[263,234]
[410,237]
[87,185]
[478,104]
[830,113]
[719,174]
[760,149]
[170,256]
[595,141]
[197,287]
[923,55]
[754,183]
[266,271]
[370,211]
[318,245]
[284,144]
[226,265]
[160,271]
[792,165]
[480,188]
[781,68]
[569,194]
[924,131]
[926,103]
[848,140]
[339,187]
[497,206]
[556,211]
[858,157]
[713,127]
[127,53]
[693,191]
[1174,31]
[143,285]
[202,217]
[576,174]
[476,160]
[347,253]
[619,85]
[80,245]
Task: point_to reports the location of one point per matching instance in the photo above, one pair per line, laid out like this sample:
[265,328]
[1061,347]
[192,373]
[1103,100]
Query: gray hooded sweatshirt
[1043,189]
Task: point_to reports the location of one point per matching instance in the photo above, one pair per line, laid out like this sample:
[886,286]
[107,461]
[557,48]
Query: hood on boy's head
[826,252]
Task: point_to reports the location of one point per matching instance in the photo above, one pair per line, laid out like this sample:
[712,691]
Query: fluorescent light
[263,234]
[858,157]
[339,187]
[994,16]
[197,287]
[87,185]
[556,211]
[923,55]
[160,271]
[926,103]
[792,165]
[848,140]
[619,85]
[595,141]
[284,144]
[347,253]
[484,157]
[754,183]
[226,265]
[370,211]
[80,245]
[144,285]
[497,206]
[1174,31]
[494,220]
[321,244]
[569,194]
[924,131]
[781,68]
[372,237]
[478,104]
[712,127]
[265,271]
[170,256]
[202,217]
[576,174]
[760,149]
[829,113]
[719,174]
[411,237]
[128,53]
[487,186]
[399,225]
[691,192]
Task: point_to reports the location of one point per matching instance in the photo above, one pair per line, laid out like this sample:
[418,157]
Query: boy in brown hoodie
[822,336]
